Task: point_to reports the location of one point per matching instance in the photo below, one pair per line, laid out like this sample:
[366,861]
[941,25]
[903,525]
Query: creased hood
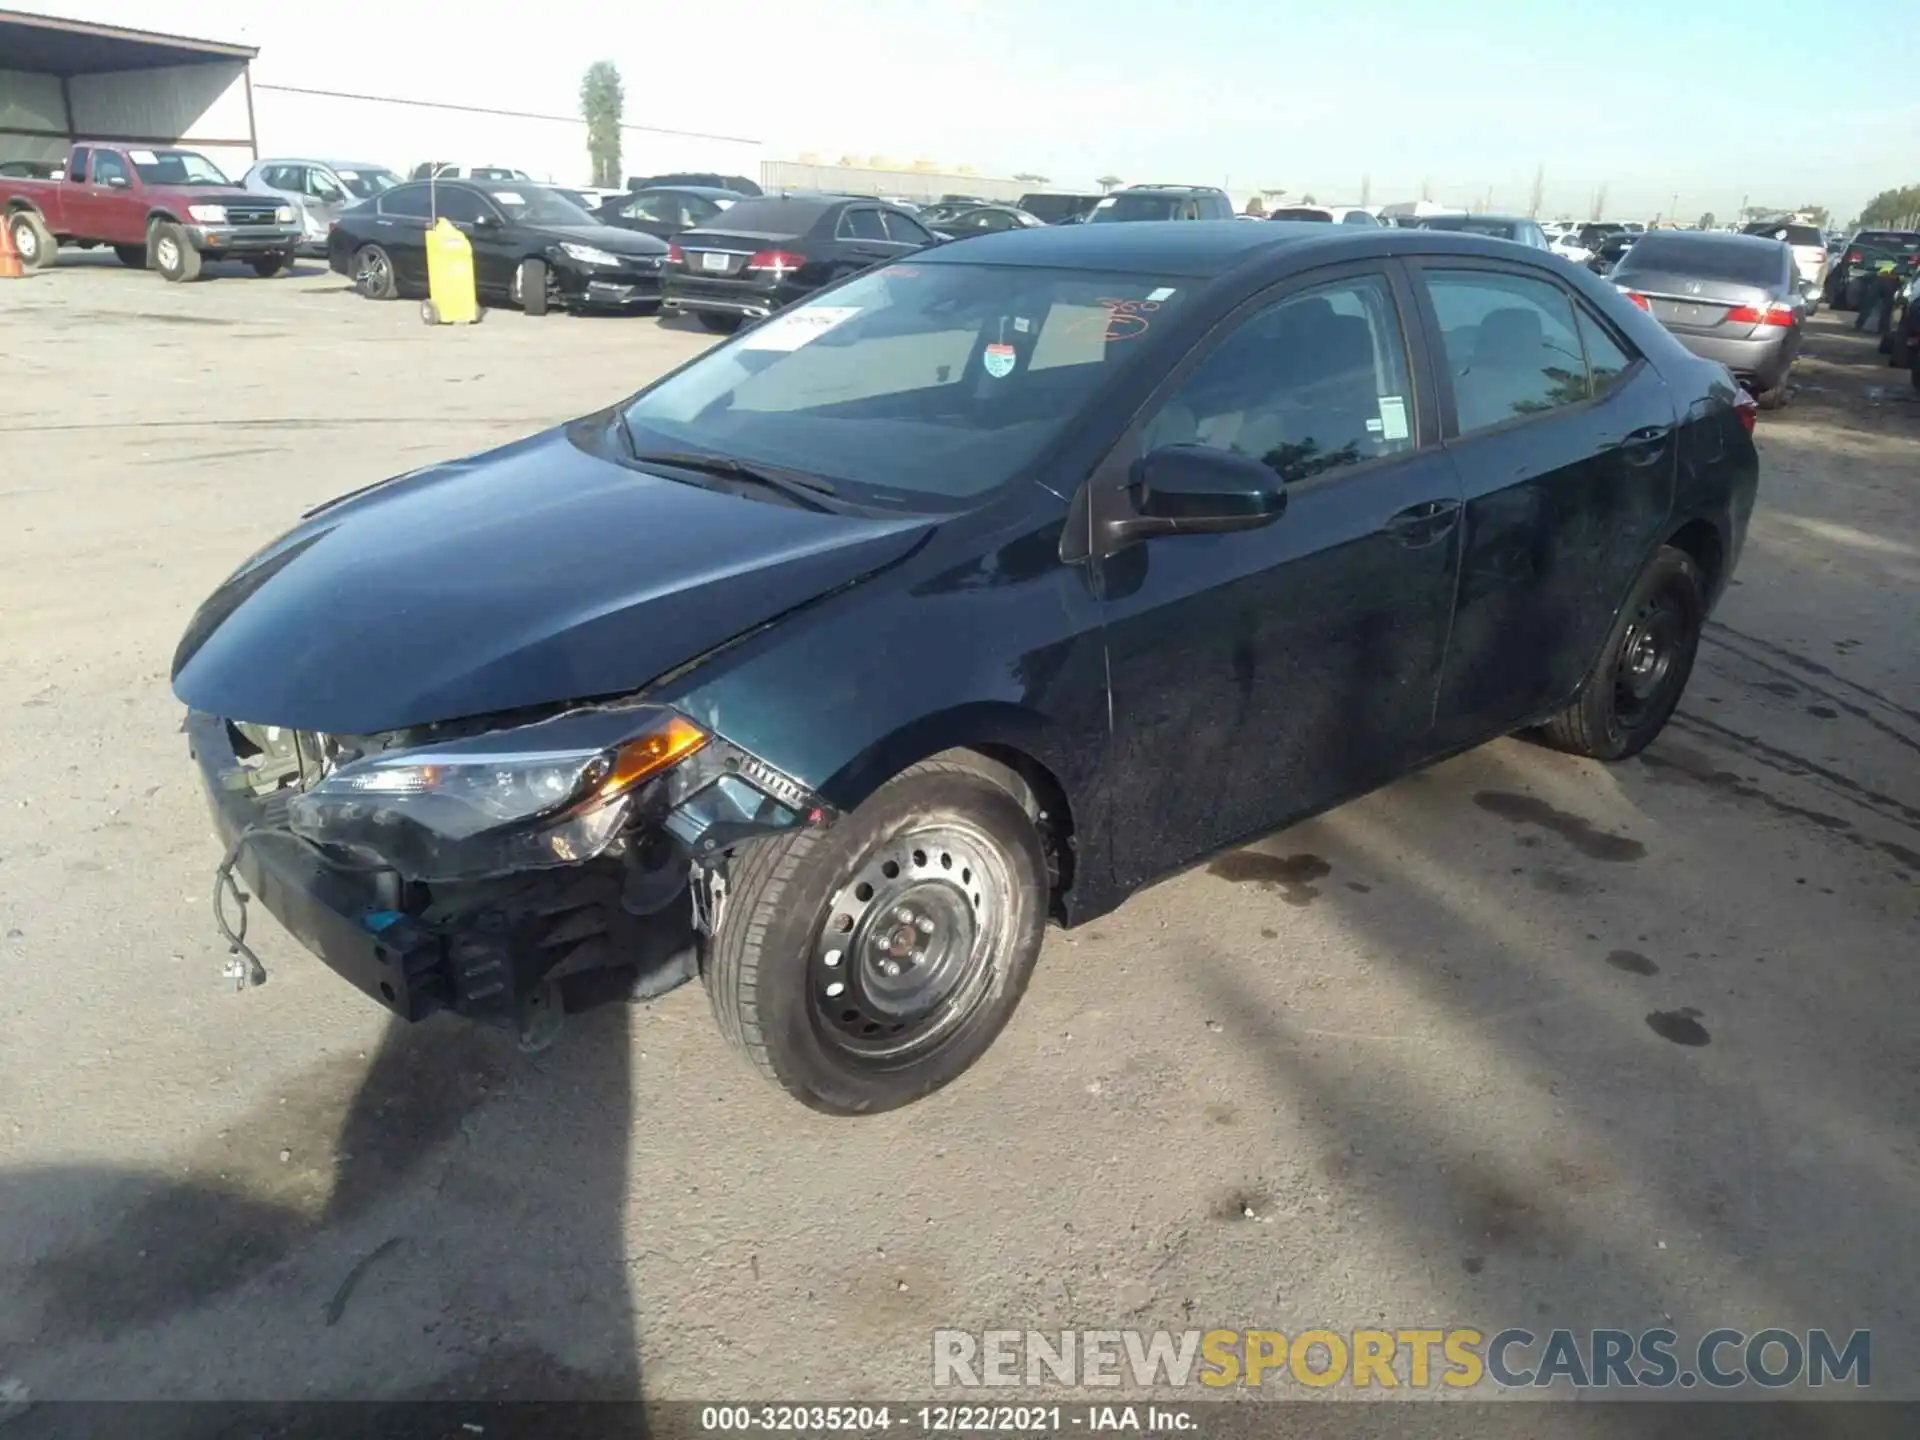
[529,575]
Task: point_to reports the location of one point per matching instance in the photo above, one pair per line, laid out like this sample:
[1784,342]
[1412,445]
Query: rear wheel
[1632,690]
[173,254]
[373,273]
[864,966]
[33,243]
[1775,396]
[134,257]
[718,323]
[265,265]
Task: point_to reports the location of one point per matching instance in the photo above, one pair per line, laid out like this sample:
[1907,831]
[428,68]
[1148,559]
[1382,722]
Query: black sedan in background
[976,593]
[531,247]
[665,211]
[761,255]
[982,220]
[1731,298]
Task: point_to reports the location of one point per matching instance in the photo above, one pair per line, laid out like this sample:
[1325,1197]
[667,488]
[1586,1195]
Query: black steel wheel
[864,966]
[373,273]
[1633,688]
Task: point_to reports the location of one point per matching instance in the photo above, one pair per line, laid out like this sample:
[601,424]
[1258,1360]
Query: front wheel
[265,265]
[865,966]
[530,286]
[1632,690]
[173,254]
[373,273]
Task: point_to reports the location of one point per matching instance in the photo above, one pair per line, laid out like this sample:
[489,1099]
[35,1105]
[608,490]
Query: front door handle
[1424,523]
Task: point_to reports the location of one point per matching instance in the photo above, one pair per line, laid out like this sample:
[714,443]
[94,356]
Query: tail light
[1637,298]
[778,261]
[674,255]
[1748,409]
[1775,314]
[1853,257]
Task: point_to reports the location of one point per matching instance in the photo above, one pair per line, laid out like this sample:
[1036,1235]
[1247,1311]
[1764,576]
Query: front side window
[107,167]
[536,205]
[916,385]
[323,187]
[1309,384]
[463,207]
[661,209]
[1510,343]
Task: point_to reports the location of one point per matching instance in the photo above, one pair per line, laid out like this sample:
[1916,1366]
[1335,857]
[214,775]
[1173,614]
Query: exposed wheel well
[1701,540]
[1046,801]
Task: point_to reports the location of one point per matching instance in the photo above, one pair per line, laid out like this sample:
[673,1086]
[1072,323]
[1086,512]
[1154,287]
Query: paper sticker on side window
[797,327]
[509,197]
[1393,417]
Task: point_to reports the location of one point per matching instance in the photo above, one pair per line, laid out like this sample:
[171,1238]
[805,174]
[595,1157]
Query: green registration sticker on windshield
[797,327]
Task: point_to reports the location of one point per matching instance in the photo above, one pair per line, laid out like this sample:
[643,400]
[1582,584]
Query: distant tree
[1816,214]
[602,98]
[1426,189]
[1256,207]
[1107,182]
[1308,199]
[1274,192]
[1599,207]
[849,162]
[1539,193]
[1705,222]
[1031,179]
[1366,189]
[1894,209]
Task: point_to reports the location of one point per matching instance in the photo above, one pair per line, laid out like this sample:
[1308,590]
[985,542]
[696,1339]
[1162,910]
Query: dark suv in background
[1163,202]
[1868,252]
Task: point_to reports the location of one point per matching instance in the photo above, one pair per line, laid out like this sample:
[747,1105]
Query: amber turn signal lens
[650,754]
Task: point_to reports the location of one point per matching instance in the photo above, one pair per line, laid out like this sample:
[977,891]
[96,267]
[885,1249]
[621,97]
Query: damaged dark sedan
[972,593]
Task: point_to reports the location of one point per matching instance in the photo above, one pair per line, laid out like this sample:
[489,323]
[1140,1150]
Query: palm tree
[1107,182]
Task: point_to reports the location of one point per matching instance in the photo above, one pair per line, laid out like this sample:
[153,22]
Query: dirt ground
[1520,1040]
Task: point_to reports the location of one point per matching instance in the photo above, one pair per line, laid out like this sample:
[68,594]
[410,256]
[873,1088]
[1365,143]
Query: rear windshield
[916,386]
[1903,242]
[1471,224]
[1055,208]
[1790,234]
[1138,207]
[1741,262]
[1301,212]
[776,216]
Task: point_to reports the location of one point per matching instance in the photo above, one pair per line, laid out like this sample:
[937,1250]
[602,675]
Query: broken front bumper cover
[492,949]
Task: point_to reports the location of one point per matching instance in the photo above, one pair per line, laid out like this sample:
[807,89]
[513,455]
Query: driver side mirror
[486,222]
[1197,490]
[116,182]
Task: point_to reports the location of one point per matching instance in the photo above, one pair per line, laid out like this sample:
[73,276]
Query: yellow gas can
[451,298]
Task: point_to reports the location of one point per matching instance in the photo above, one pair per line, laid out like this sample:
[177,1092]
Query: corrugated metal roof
[48,45]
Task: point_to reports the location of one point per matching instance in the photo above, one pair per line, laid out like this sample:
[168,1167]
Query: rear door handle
[1645,445]
[1424,523]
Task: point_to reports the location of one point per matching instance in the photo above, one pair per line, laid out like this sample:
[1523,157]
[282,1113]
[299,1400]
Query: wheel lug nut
[924,925]
[903,915]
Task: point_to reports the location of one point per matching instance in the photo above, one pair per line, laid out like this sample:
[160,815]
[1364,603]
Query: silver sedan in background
[1731,298]
[320,189]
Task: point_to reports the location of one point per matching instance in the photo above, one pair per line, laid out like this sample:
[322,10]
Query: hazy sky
[1770,99]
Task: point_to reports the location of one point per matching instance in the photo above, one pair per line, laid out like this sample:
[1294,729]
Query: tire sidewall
[826,1078]
[24,233]
[1666,566]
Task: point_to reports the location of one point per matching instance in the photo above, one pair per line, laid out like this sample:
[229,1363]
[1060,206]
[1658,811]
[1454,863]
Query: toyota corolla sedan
[970,594]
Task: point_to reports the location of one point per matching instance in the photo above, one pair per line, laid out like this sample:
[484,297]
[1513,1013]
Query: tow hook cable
[243,967]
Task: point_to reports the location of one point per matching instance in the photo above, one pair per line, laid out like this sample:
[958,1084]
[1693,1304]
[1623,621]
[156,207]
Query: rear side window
[408,200]
[1740,261]
[1511,346]
[861,224]
[1606,360]
[77,166]
[904,228]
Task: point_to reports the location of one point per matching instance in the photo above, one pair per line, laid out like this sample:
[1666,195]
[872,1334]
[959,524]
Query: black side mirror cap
[1196,490]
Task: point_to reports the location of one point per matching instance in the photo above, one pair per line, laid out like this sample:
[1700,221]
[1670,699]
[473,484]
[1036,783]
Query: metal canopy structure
[47,45]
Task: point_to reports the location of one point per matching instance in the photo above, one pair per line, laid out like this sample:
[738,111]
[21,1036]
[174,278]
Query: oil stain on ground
[1291,875]
[1632,961]
[1681,1026]
[1576,830]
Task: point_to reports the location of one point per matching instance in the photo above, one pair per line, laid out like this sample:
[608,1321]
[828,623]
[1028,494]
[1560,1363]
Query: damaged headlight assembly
[538,796]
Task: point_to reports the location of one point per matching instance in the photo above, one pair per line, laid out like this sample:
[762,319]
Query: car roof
[712,192]
[1202,249]
[319,160]
[1173,189]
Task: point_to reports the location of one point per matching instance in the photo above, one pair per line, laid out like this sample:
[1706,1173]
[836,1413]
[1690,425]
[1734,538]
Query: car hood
[607,237]
[535,574]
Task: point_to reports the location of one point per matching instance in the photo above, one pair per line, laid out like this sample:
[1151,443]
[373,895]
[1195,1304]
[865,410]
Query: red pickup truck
[168,209]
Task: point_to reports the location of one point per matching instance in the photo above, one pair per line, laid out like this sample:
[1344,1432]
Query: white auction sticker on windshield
[1393,417]
[797,327]
[143,157]
[509,197]
[1165,292]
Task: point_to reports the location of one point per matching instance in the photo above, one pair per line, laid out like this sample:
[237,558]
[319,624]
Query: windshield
[176,167]
[365,184]
[922,385]
[534,205]
[1300,212]
[1136,207]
